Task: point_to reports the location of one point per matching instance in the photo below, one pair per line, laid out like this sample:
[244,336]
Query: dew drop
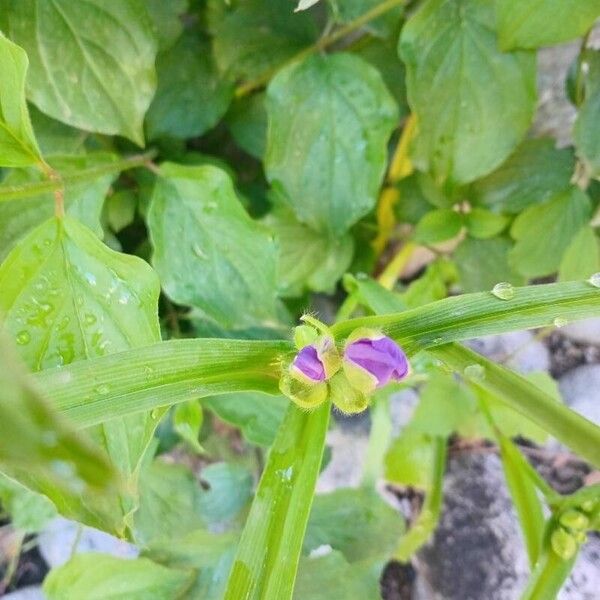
[559,322]
[154,413]
[90,278]
[475,372]
[102,389]
[23,338]
[595,280]
[503,290]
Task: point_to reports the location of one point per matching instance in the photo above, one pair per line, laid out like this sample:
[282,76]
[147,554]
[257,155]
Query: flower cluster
[349,376]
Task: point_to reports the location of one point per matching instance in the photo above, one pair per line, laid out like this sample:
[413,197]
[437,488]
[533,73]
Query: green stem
[321,44]
[379,438]
[56,183]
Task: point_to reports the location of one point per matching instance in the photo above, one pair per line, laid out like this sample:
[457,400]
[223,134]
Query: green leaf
[29,511]
[55,137]
[473,103]
[187,421]
[167,19]
[357,522]
[525,499]
[438,226]
[573,430]
[539,23]
[385,26]
[254,36]
[143,379]
[543,232]
[410,460]
[330,118]
[39,450]
[83,199]
[258,416]
[191,97]
[67,297]
[208,554]
[586,131]
[92,63]
[535,172]
[582,256]
[247,121]
[483,224]
[95,576]
[18,147]
[308,260]
[267,557]
[120,208]
[481,264]
[203,238]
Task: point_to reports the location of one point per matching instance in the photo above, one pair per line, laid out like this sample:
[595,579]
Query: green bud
[563,543]
[581,537]
[301,393]
[588,506]
[345,397]
[573,519]
[304,335]
[329,355]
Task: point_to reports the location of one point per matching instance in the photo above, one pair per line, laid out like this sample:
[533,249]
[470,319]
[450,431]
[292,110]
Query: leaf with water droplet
[89,320]
[559,322]
[504,291]
[222,261]
[594,280]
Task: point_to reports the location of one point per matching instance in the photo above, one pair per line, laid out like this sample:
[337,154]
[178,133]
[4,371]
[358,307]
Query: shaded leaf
[543,232]
[483,224]
[191,97]
[55,137]
[247,121]
[330,118]
[208,252]
[384,26]
[582,256]
[18,146]
[187,421]
[473,103]
[106,54]
[167,19]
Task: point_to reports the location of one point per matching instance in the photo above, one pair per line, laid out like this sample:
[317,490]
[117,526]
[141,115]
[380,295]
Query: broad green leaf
[67,297]
[525,499]
[356,522]
[209,555]
[308,260]
[535,172]
[582,256]
[187,421]
[191,97]
[438,226]
[411,459]
[39,450]
[330,118]
[573,430]
[18,146]
[83,199]
[208,252]
[167,19]
[143,379]
[120,208]
[586,131]
[385,26]
[54,137]
[481,264]
[247,121]
[431,286]
[473,103]
[267,557]
[535,23]
[321,576]
[91,63]
[543,232]
[28,510]
[254,36]
[257,415]
[483,224]
[95,576]
[373,295]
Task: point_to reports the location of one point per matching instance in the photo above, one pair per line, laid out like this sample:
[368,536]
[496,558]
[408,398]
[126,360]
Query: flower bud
[305,335]
[371,360]
[304,394]
[573,519]
[345,397]
[563,543]
[316,362]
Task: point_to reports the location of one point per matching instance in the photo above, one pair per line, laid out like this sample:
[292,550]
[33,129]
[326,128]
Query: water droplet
[595,280]
[475,372]
[560,322]
[124,298]
[154,413]
[90,278]
[197,250]
[23,338]
[102,389]
[503,290]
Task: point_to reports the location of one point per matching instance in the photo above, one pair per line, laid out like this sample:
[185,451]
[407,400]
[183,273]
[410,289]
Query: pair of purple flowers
[369,360]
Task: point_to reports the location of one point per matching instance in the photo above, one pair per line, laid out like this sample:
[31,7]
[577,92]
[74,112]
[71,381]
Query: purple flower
[308,364]
[381,358]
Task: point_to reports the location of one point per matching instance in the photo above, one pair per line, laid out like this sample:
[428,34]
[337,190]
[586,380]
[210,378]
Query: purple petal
[382,358]
[307,361]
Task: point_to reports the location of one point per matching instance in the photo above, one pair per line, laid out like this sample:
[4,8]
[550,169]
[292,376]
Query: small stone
[580,389]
